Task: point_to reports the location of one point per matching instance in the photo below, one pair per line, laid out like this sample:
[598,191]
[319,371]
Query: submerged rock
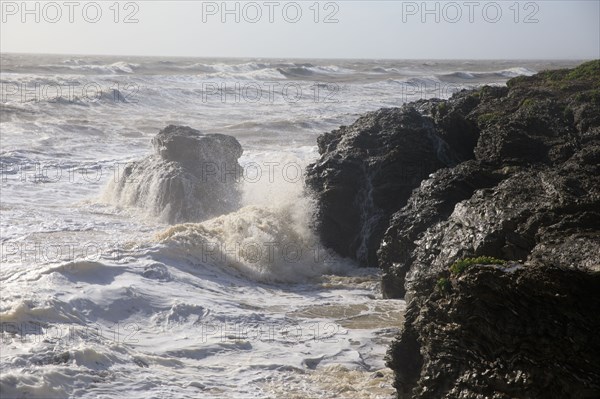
[190,177]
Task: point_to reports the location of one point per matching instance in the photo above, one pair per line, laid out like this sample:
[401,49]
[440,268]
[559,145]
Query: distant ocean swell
[243,303]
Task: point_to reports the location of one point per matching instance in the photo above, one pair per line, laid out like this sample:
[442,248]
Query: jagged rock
[535,165]
[367,171]
[502,332]
[432,202]
[531,197]
[190,178]
[508,221]
[518,179]
[184,144]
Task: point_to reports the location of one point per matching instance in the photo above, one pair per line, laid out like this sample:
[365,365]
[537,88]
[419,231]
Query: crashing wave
[262,243]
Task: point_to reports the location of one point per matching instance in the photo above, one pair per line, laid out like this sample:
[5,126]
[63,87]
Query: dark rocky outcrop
[190,177]
[433,202]
[367,171]
[525,189]
[536,167]
[531,197]
[502,332]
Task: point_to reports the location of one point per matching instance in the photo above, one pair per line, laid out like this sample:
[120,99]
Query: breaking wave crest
[264,244]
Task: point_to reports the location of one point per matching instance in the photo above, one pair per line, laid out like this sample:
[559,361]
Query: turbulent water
[101,299]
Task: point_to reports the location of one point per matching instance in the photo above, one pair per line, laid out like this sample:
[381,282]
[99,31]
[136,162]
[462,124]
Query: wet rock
[535,168]
[530,197]
[191,177]
[510,221]
[502,332]
[513,174]
[367,171]
[432,202]
[184,144]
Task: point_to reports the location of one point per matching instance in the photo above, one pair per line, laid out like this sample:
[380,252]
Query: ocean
[102,298]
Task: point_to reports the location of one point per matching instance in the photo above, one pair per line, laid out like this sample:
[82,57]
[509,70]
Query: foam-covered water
[102,299]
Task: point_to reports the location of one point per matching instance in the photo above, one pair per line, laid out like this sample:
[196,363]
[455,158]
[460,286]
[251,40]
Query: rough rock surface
[191,176]
[367,171]
[536,167]
[531,197]
[525,189]
[502,332]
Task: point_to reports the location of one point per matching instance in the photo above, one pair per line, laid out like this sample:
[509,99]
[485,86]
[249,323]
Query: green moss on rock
[488,118]
[586,71]
[443,285]
[460,266]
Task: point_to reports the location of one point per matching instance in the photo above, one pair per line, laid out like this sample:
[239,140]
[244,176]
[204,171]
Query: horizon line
[292,58]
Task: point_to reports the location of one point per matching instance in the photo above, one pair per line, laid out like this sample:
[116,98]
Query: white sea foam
[263,244]
[136,308]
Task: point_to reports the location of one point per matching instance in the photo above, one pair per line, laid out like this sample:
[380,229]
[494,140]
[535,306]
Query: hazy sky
[306,29]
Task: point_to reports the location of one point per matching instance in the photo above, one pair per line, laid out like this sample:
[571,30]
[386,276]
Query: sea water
[101,299]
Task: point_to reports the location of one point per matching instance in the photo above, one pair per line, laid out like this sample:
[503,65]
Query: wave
[462,75]
[32,311]
[265,71]
[14,384]
[115,68]
[517,71]
[500,74]
[261,243]
[258,75]
[86,271]
[276,125]
[257,70]
[75,67]
[269,239]
[412,84]
[394,70]
[308,70]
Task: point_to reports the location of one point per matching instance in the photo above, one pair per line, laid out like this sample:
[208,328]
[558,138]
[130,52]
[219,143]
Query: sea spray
[261,243]
[270,238]
[190,177]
